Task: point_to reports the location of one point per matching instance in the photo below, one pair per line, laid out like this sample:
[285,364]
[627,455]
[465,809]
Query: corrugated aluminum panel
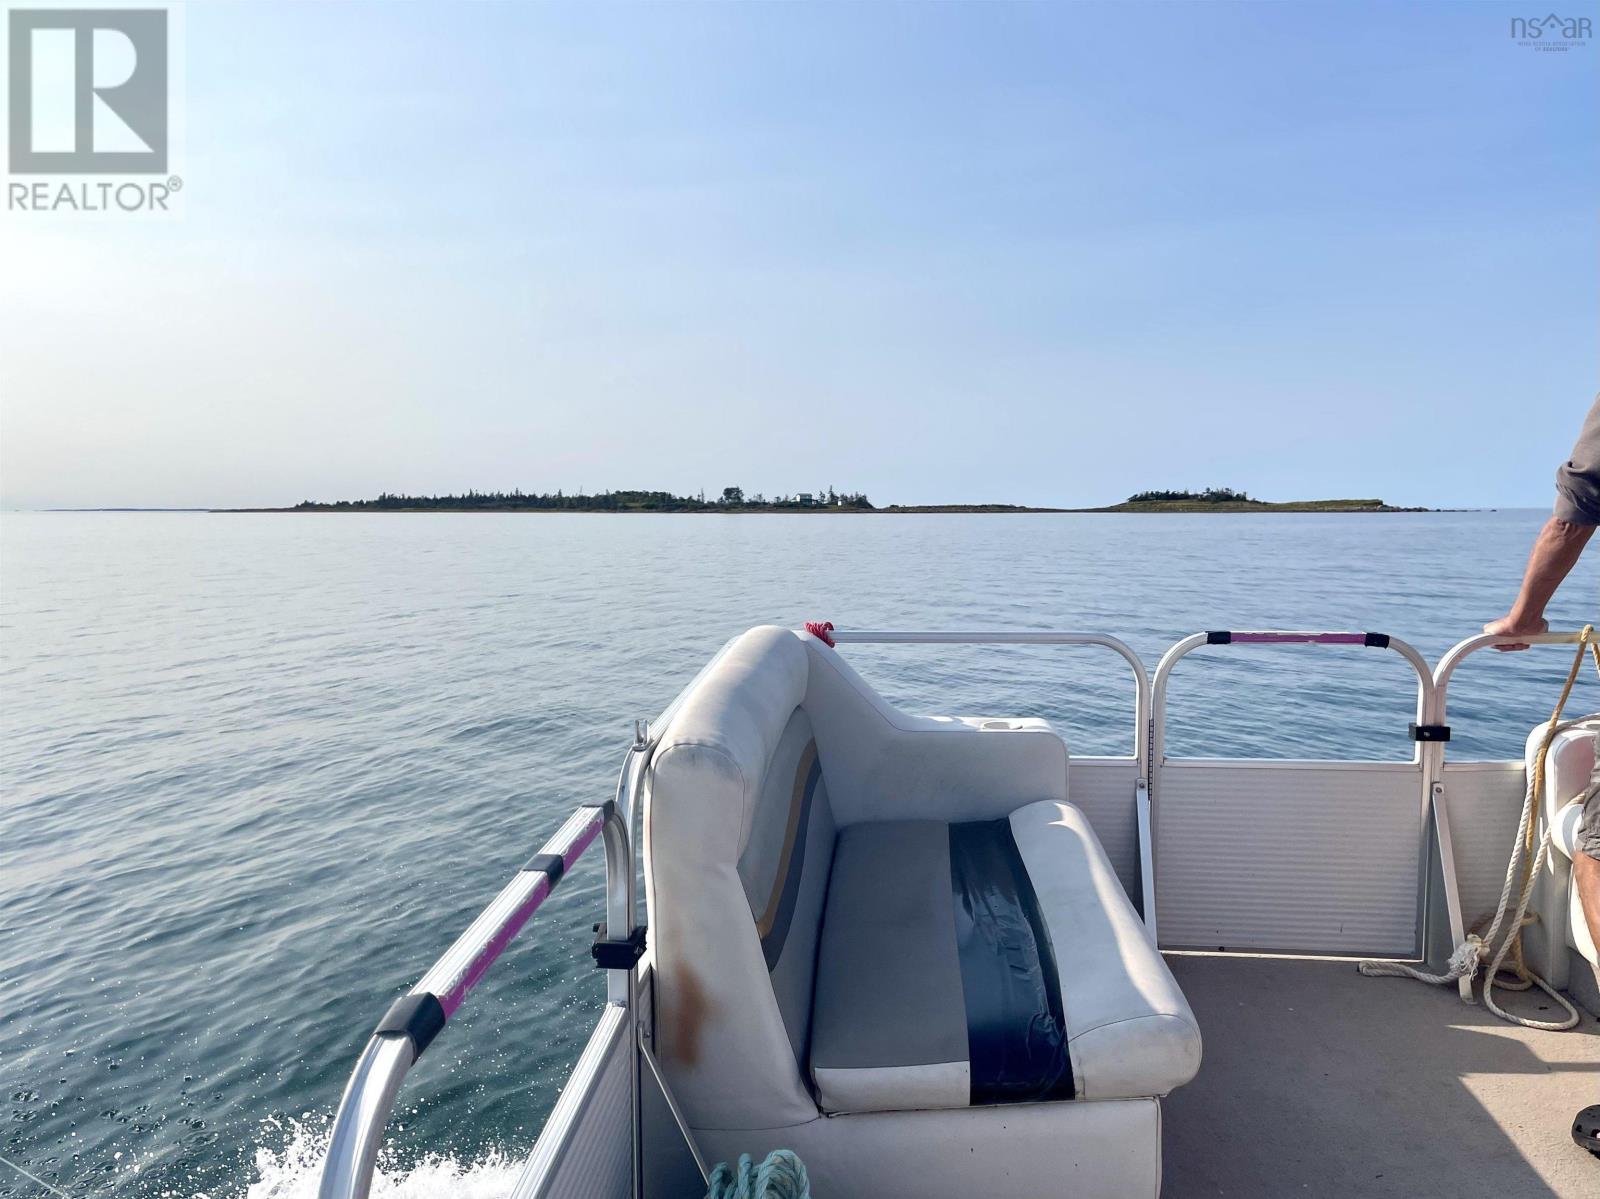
[1289,857]
[1102,789]
[586,1148]
[1484,800]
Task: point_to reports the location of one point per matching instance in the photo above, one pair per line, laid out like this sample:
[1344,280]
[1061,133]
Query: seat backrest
[1569,765]
[1569,771]
[738,841]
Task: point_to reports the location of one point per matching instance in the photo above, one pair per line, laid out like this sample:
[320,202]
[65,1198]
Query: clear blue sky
[1033,254]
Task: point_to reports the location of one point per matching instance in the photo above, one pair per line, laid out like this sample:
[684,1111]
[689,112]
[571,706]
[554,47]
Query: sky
[1034,254]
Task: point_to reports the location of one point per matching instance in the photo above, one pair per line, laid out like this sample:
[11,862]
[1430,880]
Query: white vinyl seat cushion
[1564,830]
[1570,770]
[986,962]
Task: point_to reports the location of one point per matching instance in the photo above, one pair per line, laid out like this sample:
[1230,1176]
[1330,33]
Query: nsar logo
[1551,32]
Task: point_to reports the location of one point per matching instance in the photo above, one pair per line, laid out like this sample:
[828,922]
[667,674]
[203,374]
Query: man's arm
[1555,553]
[1563,537]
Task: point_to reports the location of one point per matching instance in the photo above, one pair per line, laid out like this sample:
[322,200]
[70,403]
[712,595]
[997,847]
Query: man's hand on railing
[1513,626]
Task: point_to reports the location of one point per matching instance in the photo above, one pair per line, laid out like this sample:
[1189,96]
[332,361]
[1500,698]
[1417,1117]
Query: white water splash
[292,1171]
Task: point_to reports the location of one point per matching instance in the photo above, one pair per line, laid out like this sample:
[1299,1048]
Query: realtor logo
[88,91]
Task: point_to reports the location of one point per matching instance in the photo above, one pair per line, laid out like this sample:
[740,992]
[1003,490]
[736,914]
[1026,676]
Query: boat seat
[890,943]
[989,961]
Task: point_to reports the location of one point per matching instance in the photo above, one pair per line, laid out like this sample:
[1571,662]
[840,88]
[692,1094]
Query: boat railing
[1163,675]
[1438,718]
[1453,657]
[421,1013]
[412,1022]
[1141,677]
[1257,854]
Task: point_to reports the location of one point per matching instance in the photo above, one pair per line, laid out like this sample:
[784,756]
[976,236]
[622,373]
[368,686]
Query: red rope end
[822,630]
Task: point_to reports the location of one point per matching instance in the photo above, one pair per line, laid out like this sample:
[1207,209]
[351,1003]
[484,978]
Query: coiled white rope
[1470,954]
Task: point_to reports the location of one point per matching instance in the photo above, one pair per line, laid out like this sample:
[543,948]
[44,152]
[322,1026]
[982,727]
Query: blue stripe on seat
[1016,1032]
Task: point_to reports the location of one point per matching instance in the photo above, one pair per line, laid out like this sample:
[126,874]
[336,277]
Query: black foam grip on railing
[1377,641]
[1219,637]
[419,1017]
[1429,732]
[552,864]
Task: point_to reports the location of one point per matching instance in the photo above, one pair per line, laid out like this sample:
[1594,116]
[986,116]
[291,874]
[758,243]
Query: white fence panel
[1290,857]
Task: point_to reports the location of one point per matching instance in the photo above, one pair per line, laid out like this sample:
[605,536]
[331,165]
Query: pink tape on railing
[508,930]
[575,850]
[1301,638]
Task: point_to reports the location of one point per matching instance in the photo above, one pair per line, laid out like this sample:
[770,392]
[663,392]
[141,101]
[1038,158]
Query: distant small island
[1225,499]
[734,499]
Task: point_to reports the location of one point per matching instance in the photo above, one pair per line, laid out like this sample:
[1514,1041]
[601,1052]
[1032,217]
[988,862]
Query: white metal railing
[1141,678]
[1307,899]
[422,1012]
[1438,717]
[418,1016]
[1158,702]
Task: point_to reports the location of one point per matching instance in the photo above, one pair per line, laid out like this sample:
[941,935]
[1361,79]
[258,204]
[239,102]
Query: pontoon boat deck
[943,956]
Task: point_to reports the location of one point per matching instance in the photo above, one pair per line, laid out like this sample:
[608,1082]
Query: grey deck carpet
[1317,1081]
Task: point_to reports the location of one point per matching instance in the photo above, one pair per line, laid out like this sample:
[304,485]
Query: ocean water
[258,770]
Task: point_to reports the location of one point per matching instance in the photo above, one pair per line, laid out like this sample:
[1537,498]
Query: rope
[822,630]
[781,1176]
[1526,861]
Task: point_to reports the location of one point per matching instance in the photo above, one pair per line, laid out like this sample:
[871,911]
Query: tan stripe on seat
[769,914]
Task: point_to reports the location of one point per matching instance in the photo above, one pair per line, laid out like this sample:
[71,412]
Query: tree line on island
[1211,495]
[732,499]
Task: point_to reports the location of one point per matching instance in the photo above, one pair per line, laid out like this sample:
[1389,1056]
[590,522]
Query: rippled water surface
[259,770]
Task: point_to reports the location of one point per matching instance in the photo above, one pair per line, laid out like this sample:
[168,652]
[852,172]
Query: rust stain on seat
[689,1016]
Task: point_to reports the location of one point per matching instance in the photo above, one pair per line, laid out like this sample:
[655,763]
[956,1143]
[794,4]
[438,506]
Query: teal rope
[781,1176]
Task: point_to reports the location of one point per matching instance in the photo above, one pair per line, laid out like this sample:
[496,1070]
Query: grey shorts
[1589,828]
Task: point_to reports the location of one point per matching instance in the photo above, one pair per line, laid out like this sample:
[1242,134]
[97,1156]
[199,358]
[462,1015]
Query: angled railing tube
[1453,656]
[418,1016]
[363,1113]
[1141,678]
[1158,690]
[1438,717]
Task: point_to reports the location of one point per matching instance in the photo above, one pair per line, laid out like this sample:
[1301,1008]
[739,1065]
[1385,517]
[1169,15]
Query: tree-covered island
[1226,499]
[732,499]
